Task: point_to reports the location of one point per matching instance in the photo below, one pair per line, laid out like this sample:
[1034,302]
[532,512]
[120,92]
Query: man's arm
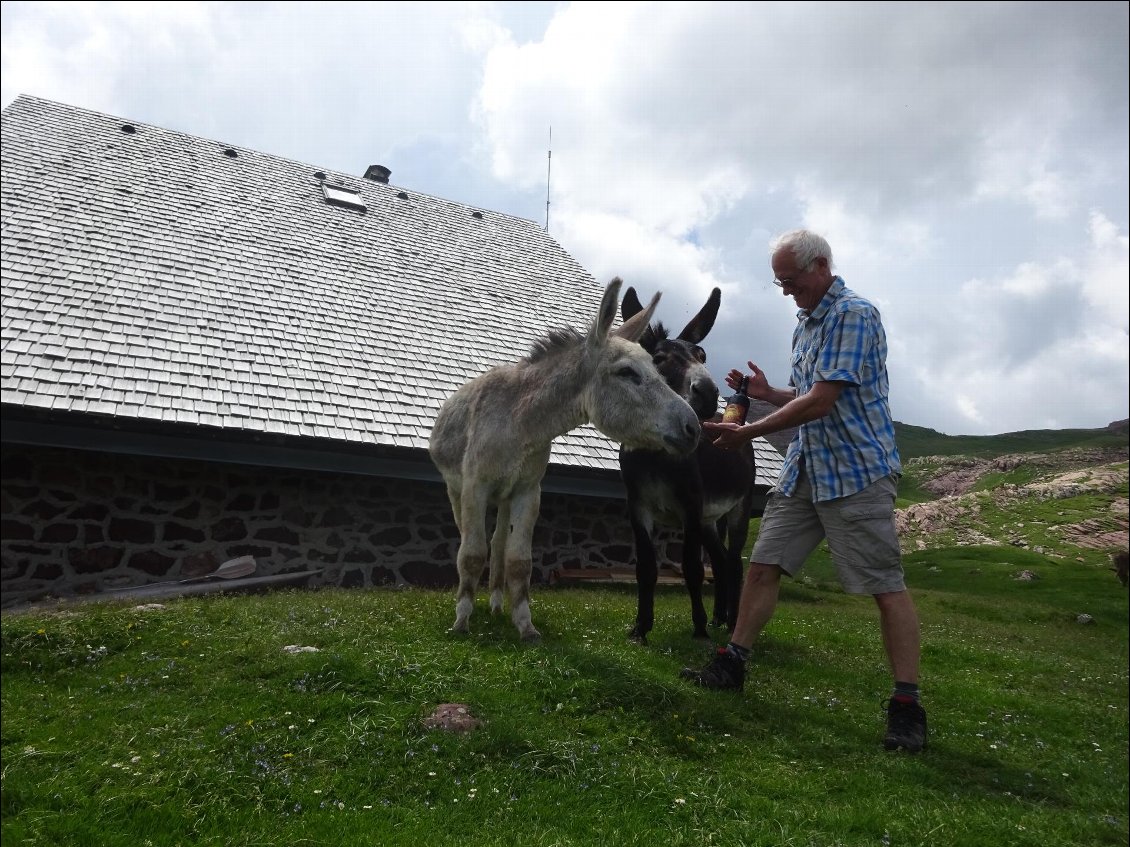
[799,410]
[779,397]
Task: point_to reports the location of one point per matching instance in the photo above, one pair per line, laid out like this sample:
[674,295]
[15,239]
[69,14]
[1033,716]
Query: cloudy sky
[966,161]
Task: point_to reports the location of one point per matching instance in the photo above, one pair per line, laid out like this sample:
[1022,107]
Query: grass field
[191,725]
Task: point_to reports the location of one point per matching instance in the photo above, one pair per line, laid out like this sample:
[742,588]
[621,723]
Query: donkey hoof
[637,636]
[703,636]
[531,636]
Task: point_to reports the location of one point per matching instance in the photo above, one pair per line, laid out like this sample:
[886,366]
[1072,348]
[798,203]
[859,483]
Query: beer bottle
[737,406]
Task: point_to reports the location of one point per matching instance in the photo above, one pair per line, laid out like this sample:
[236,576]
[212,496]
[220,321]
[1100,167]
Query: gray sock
[904,690]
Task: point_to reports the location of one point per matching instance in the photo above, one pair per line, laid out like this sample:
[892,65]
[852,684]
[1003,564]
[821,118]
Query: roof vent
[478,215]
[403,195]
[378,173]
[128,129]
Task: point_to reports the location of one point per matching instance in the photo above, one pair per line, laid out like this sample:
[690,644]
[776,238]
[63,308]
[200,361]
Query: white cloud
[1106,271]
[82,53]
[1042,346]
[941,150]
[968,162]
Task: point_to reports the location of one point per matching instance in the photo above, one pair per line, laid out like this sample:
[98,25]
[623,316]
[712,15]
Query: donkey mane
[551,344]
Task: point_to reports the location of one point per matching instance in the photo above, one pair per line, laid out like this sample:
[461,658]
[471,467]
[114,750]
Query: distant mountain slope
[945,476]
[1057,492]
[915,441]
[1058,504]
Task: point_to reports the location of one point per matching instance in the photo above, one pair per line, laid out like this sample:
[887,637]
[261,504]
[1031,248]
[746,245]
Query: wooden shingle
[164,279]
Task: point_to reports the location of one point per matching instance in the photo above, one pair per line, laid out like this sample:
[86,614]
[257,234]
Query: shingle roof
[159,276]
[780,440]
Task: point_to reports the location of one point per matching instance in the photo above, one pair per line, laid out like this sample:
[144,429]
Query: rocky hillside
[1054,503]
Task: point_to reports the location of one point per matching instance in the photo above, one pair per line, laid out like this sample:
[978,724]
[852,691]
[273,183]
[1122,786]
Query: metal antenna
[548,167]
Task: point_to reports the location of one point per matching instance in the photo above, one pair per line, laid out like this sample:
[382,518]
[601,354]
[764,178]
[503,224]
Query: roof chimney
[378,173]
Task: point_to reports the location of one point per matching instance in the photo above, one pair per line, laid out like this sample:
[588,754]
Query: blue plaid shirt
[842,340]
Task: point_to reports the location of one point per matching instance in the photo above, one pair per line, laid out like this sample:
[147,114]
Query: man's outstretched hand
[728,436]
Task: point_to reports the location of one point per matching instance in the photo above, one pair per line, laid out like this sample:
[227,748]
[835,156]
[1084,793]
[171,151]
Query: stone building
[211,352]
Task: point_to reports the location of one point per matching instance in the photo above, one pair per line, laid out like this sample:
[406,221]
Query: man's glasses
[781,283]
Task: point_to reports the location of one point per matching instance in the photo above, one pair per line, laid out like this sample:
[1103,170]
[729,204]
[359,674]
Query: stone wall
[80,522]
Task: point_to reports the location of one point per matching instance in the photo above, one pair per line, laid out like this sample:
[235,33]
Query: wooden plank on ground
[579,576]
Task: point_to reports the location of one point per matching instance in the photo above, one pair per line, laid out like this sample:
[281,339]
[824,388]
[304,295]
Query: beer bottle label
[737,407]
[736,410]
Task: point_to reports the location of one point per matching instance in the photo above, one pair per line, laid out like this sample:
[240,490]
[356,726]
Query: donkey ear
[703,322]
[634,328]
[631,307]
[607,314]
[631,304]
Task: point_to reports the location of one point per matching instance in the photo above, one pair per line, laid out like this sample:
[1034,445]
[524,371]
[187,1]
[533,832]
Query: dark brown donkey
[707,494]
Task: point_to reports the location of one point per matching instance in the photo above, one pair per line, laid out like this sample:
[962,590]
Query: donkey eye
[699,354]
[628,373]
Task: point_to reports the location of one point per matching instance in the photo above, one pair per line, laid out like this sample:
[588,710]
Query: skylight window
[342,196]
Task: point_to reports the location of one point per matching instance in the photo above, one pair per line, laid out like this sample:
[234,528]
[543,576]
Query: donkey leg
[647,574]
[455,497]
[519,559]
[693,576]
[498,557]
[723,573]
[472,557]
[736,535]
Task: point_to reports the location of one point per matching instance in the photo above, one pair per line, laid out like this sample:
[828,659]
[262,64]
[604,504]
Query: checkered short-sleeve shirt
[842,340]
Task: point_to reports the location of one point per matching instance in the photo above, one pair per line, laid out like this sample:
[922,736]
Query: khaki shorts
[860,530]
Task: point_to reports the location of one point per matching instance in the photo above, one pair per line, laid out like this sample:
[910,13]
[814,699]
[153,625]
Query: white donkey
[491,441]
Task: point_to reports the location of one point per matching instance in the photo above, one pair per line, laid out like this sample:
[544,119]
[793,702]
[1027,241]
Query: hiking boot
[724,671]
[906,725]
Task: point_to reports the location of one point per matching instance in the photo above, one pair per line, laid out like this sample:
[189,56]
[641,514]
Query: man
[839,478]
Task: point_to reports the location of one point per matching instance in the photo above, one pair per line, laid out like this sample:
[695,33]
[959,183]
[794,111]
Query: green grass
[191,725]
[910,491]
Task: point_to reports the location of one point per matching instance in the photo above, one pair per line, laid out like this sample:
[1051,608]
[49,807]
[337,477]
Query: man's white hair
[806,245]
